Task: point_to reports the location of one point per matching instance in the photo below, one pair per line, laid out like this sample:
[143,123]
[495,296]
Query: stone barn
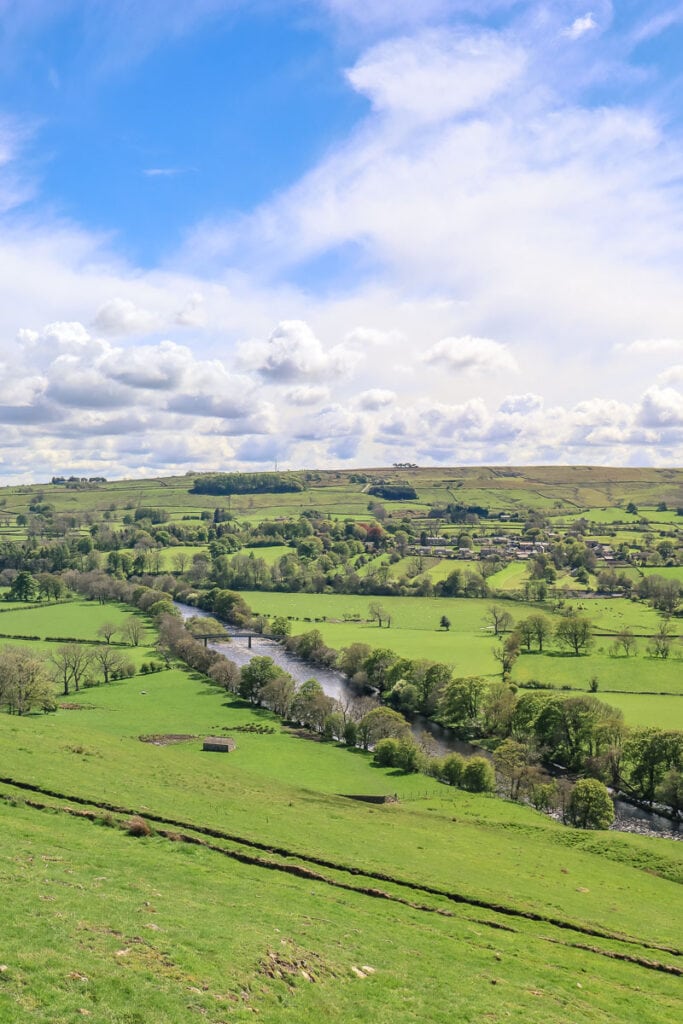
[223,744]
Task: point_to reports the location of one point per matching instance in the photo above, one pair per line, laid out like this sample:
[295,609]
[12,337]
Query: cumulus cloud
[662,407]
[307,394]
[521,405]
[293,352]
[121,316]
[437,74]
[468,354]
[375,398]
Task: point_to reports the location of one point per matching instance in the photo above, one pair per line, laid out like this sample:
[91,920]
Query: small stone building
[221,743]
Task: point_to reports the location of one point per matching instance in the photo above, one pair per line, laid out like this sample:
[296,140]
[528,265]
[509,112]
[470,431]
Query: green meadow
[148,929]
[266,888]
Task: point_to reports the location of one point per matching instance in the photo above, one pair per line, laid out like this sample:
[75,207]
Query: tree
[624,641]
[660,645]
[255,674]
[542,629]
[71,663]
[279,694]
[648,754]
[380,723]
[507,653]
[461,703]
[311,705]
[377,666]
[376,611]
[498,619]
[351,660]
[280,626]
[107,630]
[225,673]
[110,662]
[24,682]
[670,790]
[511,760]
[574,632]
[445,622]
[590,805]
[23,587]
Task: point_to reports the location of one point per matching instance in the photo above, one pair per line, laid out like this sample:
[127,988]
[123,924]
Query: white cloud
[293,352]
[307,394]
[580,26]
[471,355]
[437,74]
[662,407]
[652,346]
[121,316]
[375,398]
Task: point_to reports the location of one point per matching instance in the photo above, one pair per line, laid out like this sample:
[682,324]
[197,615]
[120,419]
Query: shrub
[478,775]
[137,826]
[452,769]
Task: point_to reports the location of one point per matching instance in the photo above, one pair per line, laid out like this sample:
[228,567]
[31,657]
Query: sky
[247,234]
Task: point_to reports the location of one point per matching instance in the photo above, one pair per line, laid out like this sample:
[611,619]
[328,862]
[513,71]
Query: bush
[386,752]
[478,775]
[452,768]
[137,826]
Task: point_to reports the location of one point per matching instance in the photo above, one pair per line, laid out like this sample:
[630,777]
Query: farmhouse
[224,744]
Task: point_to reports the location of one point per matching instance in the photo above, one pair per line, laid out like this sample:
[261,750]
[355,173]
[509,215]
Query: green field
[306,903]
[83,897]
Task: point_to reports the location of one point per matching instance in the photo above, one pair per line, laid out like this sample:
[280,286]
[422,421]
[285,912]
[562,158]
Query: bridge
[235,636]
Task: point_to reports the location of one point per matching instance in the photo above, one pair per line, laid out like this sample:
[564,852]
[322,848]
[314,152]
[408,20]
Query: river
[439,741]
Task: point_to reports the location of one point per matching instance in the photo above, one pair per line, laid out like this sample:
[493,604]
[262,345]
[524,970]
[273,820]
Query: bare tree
[133,630]
[71,663]
[498,618]
[109,661]
[107,630]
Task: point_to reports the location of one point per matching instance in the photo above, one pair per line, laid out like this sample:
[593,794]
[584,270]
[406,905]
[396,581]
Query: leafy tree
[24,681]
[461,703]
[280,626]
[590,805]
[507,653]
[575,633]
[445,622]
[24,587]
[670,790]
[311,705]
[648,754]
[255,674]
[380,723]
[376,667]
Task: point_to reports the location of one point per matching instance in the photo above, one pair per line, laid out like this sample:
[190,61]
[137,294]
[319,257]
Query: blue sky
[334,232]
